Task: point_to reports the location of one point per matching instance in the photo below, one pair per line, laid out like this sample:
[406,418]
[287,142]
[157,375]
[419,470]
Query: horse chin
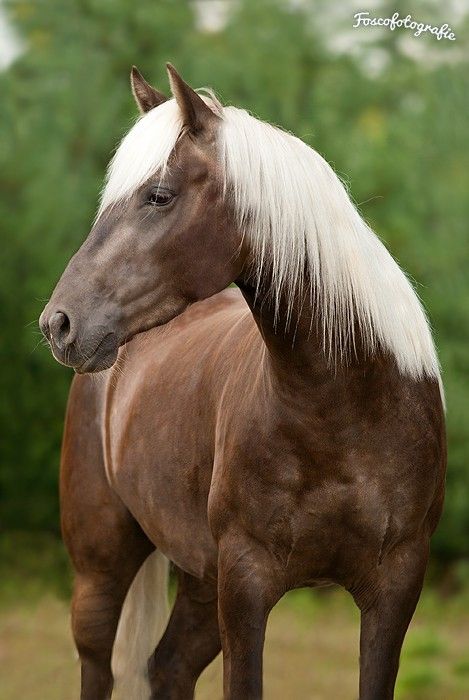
[103,357]
[97,364]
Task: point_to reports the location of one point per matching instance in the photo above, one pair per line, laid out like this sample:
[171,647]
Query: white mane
[298,217]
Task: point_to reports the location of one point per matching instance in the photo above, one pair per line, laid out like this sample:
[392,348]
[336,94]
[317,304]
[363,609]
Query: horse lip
[103,357]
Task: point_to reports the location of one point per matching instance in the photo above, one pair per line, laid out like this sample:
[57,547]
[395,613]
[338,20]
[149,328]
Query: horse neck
[293,337]
[289,332]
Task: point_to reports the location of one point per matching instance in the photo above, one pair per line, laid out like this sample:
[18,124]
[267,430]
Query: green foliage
[32,564]
[398,136]
[424,644]
[461,668]
[418,682]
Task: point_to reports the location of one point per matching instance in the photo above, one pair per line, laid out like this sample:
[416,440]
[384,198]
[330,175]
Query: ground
[311,650]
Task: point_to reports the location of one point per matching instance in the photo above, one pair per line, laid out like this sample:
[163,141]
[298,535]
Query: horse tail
[141,625]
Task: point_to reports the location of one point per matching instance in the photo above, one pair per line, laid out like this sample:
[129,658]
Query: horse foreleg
[106,550]
[191,640]
[106,545]
[387,601]
[248,588]
[96,608]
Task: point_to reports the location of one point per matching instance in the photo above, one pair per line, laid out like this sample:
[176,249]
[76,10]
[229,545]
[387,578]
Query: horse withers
[286,433]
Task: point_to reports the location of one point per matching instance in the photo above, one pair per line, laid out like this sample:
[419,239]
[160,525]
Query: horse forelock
[145,150]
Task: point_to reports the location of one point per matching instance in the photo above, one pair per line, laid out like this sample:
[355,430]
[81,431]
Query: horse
[257,400]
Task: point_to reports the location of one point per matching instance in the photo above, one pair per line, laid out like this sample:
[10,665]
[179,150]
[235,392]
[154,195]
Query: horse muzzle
[91,351]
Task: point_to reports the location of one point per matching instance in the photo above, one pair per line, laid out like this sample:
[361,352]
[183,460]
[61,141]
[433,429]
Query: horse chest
[321,516]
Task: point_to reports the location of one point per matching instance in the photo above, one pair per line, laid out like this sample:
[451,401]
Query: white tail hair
[141,625]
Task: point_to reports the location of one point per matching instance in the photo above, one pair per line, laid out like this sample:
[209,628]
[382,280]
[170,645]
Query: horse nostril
[59,328]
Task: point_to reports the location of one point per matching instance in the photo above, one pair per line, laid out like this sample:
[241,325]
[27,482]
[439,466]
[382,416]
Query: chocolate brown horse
[286,433]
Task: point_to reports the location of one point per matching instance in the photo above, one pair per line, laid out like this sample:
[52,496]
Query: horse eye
[160,198]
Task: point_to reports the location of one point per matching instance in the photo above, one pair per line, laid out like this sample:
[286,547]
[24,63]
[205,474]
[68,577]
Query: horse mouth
[103,357]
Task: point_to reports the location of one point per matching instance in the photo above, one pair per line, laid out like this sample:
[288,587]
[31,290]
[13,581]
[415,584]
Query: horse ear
[196,114]
[145,95]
